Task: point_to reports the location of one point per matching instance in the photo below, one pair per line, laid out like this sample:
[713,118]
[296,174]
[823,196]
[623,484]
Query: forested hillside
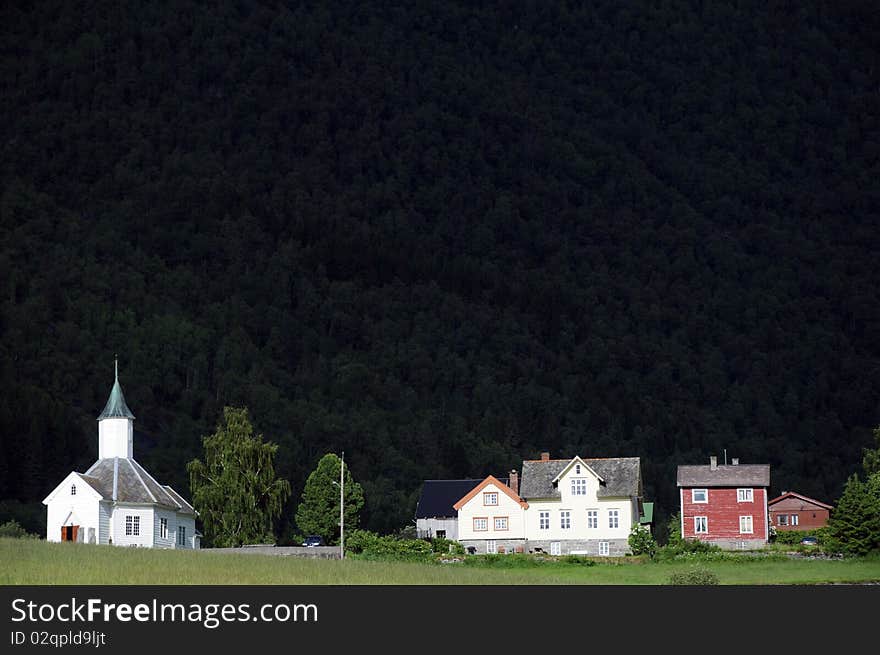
[441,236]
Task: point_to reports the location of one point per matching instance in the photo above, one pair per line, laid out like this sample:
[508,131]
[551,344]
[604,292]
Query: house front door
[69,532]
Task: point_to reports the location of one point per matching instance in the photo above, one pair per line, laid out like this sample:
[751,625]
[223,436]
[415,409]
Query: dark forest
[441,236]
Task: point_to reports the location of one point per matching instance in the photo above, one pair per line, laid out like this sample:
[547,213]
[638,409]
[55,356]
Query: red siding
[722,512]
[809,516]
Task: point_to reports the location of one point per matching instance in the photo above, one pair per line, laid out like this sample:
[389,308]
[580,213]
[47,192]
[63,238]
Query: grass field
[35,562]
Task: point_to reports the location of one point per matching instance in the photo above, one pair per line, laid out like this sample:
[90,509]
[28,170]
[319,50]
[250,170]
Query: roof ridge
[152,495]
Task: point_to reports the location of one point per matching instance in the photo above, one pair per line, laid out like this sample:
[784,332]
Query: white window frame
[701,525]
[613,518]
[490,498]
[555,548]
[132,525]
[181,535]
[603,548]
[592,519]
[491,547]
[501,523]
[704,492]
[746,524]
[163,528]
[73,490]
[565,519]
[793,519]
[481,524]
[578,486]
[745,495]
[543,520]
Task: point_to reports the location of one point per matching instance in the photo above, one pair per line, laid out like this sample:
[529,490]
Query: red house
[793,511]
[725,505]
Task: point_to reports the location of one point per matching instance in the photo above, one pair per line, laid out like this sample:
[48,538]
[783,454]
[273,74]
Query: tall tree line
[441,238]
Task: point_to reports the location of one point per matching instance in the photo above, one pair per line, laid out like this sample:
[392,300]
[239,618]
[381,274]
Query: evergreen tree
[854,526]
[318,513]
[235,490]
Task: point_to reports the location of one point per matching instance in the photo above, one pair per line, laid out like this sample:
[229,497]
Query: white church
[116,501]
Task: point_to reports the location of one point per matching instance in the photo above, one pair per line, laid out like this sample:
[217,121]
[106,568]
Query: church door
[69,532]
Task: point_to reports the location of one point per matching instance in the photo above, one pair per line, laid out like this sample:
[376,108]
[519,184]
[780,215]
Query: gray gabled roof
[125,481]
[622,476]
[724,475]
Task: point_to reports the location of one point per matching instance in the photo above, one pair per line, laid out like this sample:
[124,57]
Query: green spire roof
[116,407]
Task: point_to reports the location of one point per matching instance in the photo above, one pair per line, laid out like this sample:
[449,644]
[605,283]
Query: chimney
[735,461]
[545,457]
[713,462]
[514,482]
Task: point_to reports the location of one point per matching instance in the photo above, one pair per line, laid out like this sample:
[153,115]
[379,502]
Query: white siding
[189,523]
[475,508]
[104,511]
[578,505]
[66,508]
[171,519]
[145,538]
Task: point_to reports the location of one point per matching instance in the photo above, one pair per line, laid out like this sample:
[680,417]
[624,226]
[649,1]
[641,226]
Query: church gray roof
[116,407]
[621,475]
[125,481]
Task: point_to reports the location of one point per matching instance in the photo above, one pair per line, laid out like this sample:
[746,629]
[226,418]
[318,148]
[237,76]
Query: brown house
[793,511]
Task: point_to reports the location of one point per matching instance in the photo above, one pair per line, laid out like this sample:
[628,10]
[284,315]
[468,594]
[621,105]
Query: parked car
[313,540]
[809,541]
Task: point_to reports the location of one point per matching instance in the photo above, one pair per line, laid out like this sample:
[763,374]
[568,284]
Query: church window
[181,536]
[132,526]
[163,528]
[73,490]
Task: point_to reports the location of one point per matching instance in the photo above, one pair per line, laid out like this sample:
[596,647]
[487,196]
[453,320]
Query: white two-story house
[562,506]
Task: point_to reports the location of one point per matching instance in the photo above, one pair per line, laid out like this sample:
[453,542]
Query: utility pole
[342,506]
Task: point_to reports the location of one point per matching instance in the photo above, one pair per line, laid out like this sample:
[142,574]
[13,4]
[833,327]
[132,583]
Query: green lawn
[34,562]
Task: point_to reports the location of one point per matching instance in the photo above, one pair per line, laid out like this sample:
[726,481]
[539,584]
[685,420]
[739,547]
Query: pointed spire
[116,407]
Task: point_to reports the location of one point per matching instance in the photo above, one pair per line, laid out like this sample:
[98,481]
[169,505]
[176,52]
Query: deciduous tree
[235,490]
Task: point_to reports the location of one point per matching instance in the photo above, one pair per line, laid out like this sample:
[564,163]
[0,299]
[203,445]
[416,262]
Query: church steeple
[116,407]
[115,424]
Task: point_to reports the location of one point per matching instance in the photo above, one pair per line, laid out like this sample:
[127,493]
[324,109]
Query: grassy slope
[41,563]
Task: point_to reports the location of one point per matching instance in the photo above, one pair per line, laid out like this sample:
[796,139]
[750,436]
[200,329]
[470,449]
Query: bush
[641,541]
[687,548]
[695,576]
[13,530]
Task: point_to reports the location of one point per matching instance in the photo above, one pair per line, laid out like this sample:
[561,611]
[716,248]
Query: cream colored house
[491,518]
[562,506]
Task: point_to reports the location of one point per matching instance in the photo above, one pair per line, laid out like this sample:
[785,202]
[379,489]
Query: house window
[490,498]
[782,519]
[501,523]
[577,469]
[701,525]
[613,518]
[441,534]
[565,519]
[181,535]
[481,524]
[73,490]
[491,547]
[555,548]
[699,495]
[603,547]
[744,496]
[592,518]
[794,519]
[132,526]
[163,528]
[745,525]
[578,487]
[543,520]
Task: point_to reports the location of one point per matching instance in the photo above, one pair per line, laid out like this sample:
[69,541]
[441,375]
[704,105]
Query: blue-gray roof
[438,496]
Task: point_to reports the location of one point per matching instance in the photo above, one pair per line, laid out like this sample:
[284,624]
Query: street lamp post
[342,506]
